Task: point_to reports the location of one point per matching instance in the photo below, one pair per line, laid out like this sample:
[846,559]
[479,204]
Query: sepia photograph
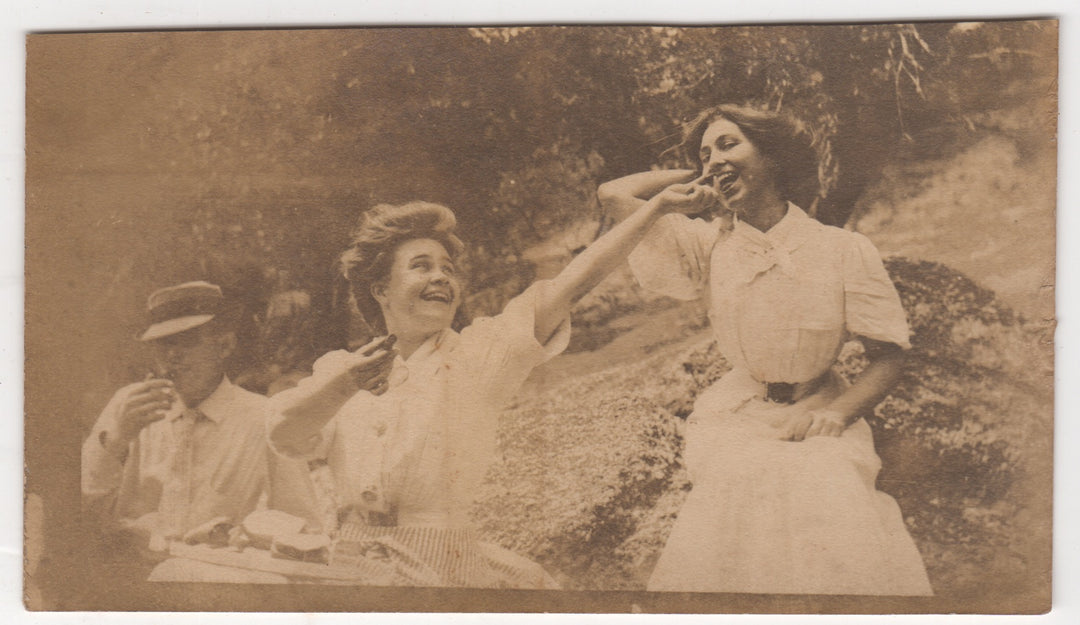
[684,319]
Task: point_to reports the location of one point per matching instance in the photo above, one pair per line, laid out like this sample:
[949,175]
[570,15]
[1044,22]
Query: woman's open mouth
[724,182]
[444,297]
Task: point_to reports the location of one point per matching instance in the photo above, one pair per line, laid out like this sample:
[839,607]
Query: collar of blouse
[426,361]
[758,252]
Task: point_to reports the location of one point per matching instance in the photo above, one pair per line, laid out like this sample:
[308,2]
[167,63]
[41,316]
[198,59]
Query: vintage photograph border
[167,597]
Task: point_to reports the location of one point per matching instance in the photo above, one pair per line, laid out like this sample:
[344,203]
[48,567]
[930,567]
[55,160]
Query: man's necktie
[176,496]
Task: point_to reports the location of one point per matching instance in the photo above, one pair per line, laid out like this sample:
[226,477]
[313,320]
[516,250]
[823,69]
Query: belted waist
[739,386]
[780,392]
[791,392]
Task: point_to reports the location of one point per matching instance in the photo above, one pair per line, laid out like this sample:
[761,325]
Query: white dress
[418,452]
[767,515]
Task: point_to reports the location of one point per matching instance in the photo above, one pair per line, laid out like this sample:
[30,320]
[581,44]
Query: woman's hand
[622,196]
[368,368]
[822,422]
[872,385]
[687,198]
[600,258]
[301,412]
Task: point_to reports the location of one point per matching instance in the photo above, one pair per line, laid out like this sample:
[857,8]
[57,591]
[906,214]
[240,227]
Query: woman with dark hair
[782,463]
[406,425]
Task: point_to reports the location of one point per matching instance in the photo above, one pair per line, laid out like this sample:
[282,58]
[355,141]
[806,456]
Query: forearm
[644,185]
[591,266]
[300,413]
[102,475]
[622,196]
[103,458]
[872,385]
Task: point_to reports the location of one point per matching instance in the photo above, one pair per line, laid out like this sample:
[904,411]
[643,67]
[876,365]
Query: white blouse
[782,301]
[423,447]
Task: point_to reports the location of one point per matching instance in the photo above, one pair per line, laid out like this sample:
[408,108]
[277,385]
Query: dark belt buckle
[780,392]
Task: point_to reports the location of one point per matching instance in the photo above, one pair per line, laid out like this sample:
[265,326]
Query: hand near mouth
[708,180]
[688,198]
[147,402]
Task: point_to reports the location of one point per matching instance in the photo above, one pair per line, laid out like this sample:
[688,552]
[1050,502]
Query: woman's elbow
[277,434]
[615,193]
[895,363]
[616,202]
[876,350]
[285,429]
[286,439]
[607,191]
[885,356]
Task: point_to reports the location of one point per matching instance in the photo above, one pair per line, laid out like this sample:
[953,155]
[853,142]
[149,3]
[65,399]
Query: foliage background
[245,157]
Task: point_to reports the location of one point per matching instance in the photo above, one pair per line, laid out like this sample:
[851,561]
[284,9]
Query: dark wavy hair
[784,140]
[381,230]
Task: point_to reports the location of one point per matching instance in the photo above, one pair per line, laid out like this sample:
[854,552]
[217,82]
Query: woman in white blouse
[407,426]
[782,463]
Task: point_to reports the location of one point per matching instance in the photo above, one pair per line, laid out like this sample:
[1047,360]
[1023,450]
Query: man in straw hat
[186,446]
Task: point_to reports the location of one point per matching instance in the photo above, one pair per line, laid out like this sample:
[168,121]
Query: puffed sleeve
[871,304]
[673,258]
[503,350]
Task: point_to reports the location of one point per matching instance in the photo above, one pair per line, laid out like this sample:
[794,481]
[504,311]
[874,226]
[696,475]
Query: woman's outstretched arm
[301,412]
[605,254]
[621,197]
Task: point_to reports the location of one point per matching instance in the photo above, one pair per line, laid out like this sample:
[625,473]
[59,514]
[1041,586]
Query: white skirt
[779,517]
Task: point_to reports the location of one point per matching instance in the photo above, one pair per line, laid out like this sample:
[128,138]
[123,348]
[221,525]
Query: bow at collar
[758,252]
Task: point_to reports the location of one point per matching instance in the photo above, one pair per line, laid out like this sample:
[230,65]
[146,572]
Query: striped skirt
[435,556]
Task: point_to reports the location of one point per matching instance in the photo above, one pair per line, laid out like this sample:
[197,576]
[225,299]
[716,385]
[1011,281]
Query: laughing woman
[782,463]
[407,424]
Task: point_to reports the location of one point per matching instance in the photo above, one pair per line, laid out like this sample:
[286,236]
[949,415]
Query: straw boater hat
[179,308]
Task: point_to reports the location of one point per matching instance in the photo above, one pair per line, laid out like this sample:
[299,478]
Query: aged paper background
[138,206]
[612,605]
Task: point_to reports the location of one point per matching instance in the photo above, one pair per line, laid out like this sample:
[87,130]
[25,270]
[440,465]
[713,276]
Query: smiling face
[422,293]
[735,167]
